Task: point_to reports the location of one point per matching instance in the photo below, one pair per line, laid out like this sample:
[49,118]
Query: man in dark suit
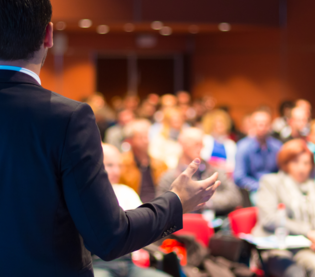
[56,203]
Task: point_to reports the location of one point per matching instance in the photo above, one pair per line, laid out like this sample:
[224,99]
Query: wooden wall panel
[75,81]
[107,10]
[240,11]
[241,69]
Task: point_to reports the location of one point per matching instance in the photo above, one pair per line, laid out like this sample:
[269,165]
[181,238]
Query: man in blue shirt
[257,155]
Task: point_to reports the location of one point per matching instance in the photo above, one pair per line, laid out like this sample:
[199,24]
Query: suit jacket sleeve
[107,230]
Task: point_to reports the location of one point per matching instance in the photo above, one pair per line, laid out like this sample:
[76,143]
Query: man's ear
[49,40]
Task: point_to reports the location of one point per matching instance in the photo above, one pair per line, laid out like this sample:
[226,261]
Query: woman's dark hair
[285,105]
[22,27]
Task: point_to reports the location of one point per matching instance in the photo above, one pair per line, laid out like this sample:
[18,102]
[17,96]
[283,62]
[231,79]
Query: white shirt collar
[23,70]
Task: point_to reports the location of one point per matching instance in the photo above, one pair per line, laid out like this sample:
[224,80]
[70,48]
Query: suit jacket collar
[10,76]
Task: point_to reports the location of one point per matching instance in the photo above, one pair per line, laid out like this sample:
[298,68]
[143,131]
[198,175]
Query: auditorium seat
[196,225]
[243,220]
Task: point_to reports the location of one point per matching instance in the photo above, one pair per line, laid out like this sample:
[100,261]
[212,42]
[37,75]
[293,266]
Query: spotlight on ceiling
[85,23]
[224,27]
[166,31]
[156,25]
[60,25]
[102,29]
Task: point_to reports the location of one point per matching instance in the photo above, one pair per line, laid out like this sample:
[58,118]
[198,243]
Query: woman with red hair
[293,187]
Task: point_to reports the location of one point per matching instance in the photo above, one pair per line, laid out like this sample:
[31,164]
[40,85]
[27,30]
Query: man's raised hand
[194,194]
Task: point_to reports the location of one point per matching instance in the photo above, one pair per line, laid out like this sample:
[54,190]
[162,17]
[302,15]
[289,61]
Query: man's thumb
[192,168]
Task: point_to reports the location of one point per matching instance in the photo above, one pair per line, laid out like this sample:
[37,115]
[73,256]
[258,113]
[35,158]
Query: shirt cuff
[177,196]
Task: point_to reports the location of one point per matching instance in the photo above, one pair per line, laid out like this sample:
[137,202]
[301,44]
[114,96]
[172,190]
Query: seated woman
[293,187]
[219,150]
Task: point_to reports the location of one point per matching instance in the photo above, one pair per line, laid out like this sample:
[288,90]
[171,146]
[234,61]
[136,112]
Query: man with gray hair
[140,171]
[226,198]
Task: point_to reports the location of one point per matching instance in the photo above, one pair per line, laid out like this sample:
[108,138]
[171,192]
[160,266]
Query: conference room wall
[241,70]
[246,70]
[237,69]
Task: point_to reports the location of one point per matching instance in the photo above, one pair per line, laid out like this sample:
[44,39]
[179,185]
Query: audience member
[117,103]
[209,102]
[247,129]
[306,106]
[281,124]
[292,187]
[115,134]
[105,117]
[256,156]
[200,110]
[298,125]
[168,101]
[128,200]
[227,196]
[147,110]
[154,99]
[184,104]
[139,170]
[183,98]
[311,137]
[218,149]
[149,107]
[164,146]
[131,102]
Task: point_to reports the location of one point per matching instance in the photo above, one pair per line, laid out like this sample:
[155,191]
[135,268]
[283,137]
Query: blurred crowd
[264,163]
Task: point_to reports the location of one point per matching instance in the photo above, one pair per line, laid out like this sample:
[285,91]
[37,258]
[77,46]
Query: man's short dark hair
[22,27]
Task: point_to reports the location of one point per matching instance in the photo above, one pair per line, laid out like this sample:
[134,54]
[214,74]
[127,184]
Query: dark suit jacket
[56,203]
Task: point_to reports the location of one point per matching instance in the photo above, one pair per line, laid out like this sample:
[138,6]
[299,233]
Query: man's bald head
[112,162]
[261,124]
[304,104]
[191,140]
[298,112]
[191,134]
[299,120]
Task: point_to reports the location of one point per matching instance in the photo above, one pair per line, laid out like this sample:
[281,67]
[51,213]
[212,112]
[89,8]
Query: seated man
[256,156]
[139,170]
[115,134]
[298,124]
[227,196]
[128,199]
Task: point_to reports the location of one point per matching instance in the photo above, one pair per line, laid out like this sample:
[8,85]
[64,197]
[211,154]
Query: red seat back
[194,224]
[243,220]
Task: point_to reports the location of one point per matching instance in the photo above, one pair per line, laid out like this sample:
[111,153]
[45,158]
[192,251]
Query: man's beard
[44,58]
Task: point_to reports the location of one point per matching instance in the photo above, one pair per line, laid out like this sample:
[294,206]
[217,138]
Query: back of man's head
[191,140]
[299,119]
[22,27]
[112,162]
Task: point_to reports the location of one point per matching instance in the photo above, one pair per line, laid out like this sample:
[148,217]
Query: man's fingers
[215,186]
[192,168]
[210,191]
[209,181]
[200,206]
